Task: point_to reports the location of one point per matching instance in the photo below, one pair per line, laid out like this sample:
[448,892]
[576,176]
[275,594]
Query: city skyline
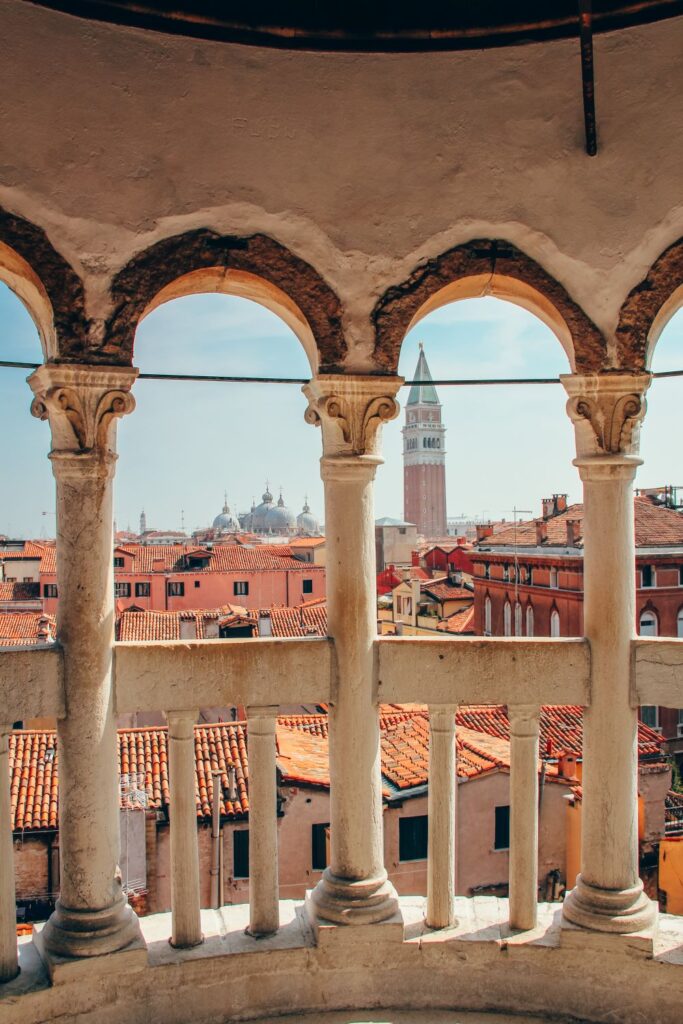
[188,443]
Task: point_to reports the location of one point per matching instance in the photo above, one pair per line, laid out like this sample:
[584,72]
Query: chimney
[548,508]
[560,503]
[484,530]
[541,531]
[573,531]
[415,558]
[461,542]
[566,766]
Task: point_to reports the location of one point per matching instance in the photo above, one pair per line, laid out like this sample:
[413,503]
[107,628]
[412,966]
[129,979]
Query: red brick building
[424,456]
[528,580]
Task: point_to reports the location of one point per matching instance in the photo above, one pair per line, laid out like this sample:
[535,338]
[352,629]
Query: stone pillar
[82,404]
[9,964]
[354,888]
[524,720]
[264,906]
[606,412]
[186,929]
[441,818]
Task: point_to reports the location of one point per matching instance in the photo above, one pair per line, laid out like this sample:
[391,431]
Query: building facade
[424,456]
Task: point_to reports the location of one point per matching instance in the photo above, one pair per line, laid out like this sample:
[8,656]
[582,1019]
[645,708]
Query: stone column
[441,818]
[524,720]
[186,929]
[354,888]
[82,404]
[264,906]
[9,964]
[606,412]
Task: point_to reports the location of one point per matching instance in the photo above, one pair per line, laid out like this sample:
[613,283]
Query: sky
[187,443]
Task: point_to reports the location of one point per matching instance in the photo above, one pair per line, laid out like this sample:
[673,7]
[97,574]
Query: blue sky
[188,443]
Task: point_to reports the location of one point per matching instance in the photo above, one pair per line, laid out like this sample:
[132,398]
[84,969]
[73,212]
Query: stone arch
[255,267]
[47,285]
[486,267]
[648,308]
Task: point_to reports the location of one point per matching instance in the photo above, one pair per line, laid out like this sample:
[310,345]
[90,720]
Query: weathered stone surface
[642,305]
[480,257]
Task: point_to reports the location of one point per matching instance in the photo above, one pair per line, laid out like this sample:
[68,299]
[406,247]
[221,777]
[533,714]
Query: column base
[71,936]
[610,911]
[336,901]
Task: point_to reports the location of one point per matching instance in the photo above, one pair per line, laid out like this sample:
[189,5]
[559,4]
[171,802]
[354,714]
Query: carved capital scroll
[350,410]
[607,411]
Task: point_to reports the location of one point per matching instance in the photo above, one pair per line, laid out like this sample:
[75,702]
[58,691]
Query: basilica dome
[306,523]
[226,522]
[280,519]
[259,515]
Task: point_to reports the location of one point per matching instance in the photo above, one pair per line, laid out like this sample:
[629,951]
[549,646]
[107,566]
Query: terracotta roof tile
[25,628]
[19,591]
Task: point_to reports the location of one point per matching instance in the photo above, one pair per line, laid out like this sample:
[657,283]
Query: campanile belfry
[424,456]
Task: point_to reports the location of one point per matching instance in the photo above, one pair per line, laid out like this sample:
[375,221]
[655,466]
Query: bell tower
[424,456]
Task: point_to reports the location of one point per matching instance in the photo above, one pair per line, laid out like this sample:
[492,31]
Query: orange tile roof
[25,628]
[460,622]
[308,619]
[443,590]
[19,591]
[306,542]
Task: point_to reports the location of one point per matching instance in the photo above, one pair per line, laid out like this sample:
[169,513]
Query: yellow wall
[671,873]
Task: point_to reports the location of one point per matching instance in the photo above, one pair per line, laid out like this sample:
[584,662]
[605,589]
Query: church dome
[226,522]
[259,515]
[280,519]
[306,523]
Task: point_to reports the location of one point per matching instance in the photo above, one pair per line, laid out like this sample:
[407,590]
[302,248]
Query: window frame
[175,588]
[417,837]
[307,586]
[318,844]
[240,588]
[143,589]
[121,588]
[501,828]
[240,853]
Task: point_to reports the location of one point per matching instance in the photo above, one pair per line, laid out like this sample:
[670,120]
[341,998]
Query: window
[487,571]
[680,575]
[119,562]
[412,838]
[10,579]
[122,590]
[648,576]
[518,619]
[50,590]
[319,846]
[679,623]
[680,723]
[307,587]
[501,839]
[530,575]
[240,853]
[506,573]
[648,623]
[28,579]
[175,589]
[507,619]
[555,623]
[553,580]
[142,589]
[487,615]
[649,714]
[197,584]
[529,620]
[402,530]
[240,588]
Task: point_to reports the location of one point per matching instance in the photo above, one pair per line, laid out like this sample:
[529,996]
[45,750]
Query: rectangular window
[175,589]
[502,830]
[196,584]
[50,590]
[319,846]
[307,587]
[649,714]
[10,579]
[647,576]
[240,853]
[240,588]
[28,579]
[680,722]
[553,578]
[122,590]
[412,838]
[142,589]
[118,562]
[680,575]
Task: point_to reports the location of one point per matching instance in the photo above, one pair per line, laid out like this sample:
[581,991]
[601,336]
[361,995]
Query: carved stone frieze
[606,411]
[82,404]
[350,410]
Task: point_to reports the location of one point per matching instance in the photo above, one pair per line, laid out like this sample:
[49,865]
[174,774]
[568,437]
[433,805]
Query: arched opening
[679,623]
[648,624]
[529,620]
[487,616]
[507,619]
[518,619]
[555,624]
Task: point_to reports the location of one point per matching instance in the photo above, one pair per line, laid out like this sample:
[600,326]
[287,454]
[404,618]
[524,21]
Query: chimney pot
[541,532]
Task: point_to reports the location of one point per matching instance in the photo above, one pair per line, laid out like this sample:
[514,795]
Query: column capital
[82,404]
[181,723]
[524,720]
[606,410]
[350,410]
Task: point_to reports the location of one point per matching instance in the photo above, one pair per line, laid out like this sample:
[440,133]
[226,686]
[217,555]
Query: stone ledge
[62,970]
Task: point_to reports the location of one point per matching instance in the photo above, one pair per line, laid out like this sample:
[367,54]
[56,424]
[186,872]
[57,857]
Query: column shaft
[264,908]
[523,816]
[441,817]
[9,964]
[186,928]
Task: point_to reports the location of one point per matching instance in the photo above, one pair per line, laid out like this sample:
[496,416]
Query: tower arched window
[518,619]
[529,620]
[679,623]
[648,622]
[555,623]
[487,615]
[507,619]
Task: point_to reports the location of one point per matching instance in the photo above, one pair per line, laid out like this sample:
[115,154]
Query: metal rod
[588,75]
[459,382]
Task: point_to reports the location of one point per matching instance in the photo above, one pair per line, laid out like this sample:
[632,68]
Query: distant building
[395,541]
[424,457]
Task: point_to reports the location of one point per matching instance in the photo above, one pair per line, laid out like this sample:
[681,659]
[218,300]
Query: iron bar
[588,75]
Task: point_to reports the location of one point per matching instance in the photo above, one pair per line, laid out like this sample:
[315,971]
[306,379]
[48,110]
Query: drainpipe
[540,790]
[216,888]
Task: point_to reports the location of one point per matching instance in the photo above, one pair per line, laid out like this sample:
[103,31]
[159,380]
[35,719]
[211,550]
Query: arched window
[507,619]
[679,623]
[648,622]
[487,615]
[555,623]
[518,619]
[529,620]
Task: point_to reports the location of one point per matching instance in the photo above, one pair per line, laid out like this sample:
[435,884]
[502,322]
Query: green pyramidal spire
[423,394]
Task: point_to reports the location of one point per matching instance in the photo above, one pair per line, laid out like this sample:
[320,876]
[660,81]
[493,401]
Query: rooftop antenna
[182,520]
